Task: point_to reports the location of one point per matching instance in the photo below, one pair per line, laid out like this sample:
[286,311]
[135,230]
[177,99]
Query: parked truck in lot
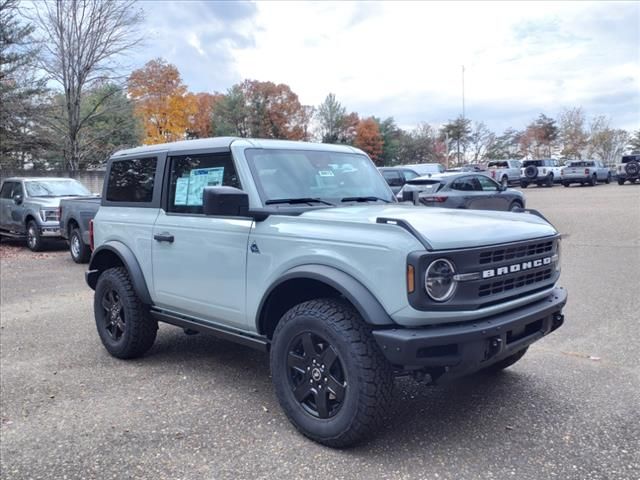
[588,172]
[504,172]
[301,250]
[29,207]
[75,217]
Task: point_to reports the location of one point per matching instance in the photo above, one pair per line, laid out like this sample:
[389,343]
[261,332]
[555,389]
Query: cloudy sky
[405,59]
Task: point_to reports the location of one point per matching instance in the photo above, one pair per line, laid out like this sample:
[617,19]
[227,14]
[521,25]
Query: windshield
[330,176]
[55,188]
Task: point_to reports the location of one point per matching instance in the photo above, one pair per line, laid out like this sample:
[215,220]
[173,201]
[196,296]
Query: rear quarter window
[132,181]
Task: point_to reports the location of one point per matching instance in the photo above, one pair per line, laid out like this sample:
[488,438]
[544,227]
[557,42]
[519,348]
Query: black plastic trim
[160,157]
[128,259]
[408,227]
[360,297]
[466,343]
[183,321]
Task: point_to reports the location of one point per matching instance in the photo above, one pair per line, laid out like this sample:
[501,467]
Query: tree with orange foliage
[200,125]
[161,102]
[262,110]
[369,139]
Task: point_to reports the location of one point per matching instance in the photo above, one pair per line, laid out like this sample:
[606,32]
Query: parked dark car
[396,177]
[462,190]
[75,215]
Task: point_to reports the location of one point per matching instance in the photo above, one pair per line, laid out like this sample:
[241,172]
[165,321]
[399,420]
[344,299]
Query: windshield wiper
[297,200]
[364,199]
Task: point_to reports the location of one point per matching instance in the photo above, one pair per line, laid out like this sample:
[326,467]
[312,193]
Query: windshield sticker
[182,189]
[325,173]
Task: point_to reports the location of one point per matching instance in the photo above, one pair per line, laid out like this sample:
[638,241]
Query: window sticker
[182,189]
[325,173]
[197,180]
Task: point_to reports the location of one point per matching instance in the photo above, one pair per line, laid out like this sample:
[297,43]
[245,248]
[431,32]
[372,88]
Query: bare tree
[573,133]
[481,140]
[605,142]
[82,43]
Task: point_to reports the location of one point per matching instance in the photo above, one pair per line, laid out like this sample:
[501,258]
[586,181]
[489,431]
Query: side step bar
[259,343]
[19,236]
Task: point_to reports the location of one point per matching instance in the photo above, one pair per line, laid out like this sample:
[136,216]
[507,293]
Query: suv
[29,207]
[629,168]
[301,250]
[396,177]
[541,172]
[585,171]
[504,171]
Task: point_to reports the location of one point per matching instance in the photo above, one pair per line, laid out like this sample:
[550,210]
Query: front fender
[357,294]
[112,254]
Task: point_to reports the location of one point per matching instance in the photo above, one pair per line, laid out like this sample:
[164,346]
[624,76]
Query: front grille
[500,286]
[512,253]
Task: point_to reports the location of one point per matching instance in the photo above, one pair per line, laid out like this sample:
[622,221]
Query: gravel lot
[196,407]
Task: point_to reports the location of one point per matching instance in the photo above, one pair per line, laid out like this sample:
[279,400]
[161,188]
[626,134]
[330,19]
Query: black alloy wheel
[316,375]
[113,315]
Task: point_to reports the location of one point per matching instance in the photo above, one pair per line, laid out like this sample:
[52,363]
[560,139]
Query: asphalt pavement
[200,408]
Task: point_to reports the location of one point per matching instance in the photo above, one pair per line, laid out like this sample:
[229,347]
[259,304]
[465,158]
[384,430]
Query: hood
[447,228]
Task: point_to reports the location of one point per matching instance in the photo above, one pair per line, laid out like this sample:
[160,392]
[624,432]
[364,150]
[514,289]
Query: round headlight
[439,282]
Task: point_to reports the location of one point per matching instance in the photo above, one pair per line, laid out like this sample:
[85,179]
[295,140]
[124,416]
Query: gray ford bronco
[300,250]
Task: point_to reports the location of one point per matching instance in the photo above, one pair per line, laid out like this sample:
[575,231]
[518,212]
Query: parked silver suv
[29,207]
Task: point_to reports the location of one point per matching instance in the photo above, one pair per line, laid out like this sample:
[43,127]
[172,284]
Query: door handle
[163,237]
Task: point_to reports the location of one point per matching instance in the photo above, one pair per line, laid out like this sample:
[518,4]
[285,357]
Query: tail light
[91,234]
[586,171]
[436,199]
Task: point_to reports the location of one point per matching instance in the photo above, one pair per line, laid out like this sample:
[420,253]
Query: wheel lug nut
[325,380]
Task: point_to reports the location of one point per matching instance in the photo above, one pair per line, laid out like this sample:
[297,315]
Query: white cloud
[404,59]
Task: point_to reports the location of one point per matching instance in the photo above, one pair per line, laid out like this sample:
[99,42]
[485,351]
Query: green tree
[456,134]
[21,92]
[505,146]
[331,115]
[391,140]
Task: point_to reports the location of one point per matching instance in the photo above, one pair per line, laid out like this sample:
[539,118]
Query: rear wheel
[566,184]
[331,379]
[507,362]
[124,324]
[34,238]
[524,184]
[608,180]
[620,181]
[80,252]
[504,181]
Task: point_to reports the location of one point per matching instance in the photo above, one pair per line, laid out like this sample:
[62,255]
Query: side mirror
[225,201]
[502,188]
[17,199]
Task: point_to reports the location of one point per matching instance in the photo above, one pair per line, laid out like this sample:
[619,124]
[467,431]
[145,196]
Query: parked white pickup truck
[504,171]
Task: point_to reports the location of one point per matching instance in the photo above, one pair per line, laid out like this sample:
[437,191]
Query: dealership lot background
[197,407]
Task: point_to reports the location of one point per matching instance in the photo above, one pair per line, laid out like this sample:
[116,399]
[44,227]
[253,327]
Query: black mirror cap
[225,201]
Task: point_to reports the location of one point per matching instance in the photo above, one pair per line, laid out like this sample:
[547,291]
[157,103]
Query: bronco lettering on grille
[516,267]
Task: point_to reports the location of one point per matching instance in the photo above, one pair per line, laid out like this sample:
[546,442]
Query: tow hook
[495,345]
[558,320]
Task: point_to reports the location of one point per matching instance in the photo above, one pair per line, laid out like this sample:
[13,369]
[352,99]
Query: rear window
[537,163]
[498,165]
[580,164]
[131,181]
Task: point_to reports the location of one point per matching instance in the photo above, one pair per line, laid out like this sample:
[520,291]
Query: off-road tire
[524,184]
[620,181]
[79,251]
[367,374]
[140,328]
[507,362]
[35,243]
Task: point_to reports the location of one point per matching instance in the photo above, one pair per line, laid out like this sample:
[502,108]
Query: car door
[5,200]
[493,197]
[199,262]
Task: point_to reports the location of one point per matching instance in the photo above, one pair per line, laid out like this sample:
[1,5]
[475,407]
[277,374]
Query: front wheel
[504,181]
[124,324]
[330,377]
[524,184]
[34,238]
[594,181]
[80,252]
[620,181]
[549,182]
[515,206]
[608,180]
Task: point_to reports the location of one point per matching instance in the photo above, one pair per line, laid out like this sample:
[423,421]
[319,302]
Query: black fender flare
[100,262]
[357,294]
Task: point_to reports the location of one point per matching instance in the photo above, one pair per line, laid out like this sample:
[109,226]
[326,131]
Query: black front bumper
[463,348]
